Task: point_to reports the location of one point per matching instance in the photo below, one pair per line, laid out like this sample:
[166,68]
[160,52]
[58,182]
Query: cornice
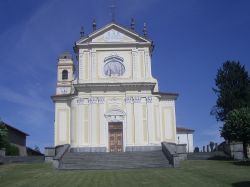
[62,97]
[113,25]
[88,87]
[166,95]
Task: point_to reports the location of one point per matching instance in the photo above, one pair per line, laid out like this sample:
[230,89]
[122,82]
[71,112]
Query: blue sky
[192,37]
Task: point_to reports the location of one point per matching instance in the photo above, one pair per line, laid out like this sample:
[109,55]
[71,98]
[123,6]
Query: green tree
[3,135]
[232,88]
[237,127]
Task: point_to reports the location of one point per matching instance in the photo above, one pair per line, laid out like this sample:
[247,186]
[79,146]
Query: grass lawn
[191,173]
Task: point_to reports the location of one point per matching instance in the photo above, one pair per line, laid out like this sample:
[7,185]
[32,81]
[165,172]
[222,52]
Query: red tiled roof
[184,130]
[11,127]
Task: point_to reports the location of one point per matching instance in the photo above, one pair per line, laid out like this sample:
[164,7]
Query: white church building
[108,101]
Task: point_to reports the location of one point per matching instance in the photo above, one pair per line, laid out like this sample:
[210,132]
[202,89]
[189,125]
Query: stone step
[124,160]
[116,166]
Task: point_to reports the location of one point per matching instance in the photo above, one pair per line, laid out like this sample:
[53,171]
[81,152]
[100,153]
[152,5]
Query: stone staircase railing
[174,153]
[55,154]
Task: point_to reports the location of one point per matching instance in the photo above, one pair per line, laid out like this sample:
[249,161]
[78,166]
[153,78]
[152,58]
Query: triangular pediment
[113,33]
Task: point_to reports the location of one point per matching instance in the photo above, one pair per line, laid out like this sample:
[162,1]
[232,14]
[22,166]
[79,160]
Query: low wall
[174,153]
[22,159]
[50,153]
[2,153]
[216,155]
[55,154]
[236,151]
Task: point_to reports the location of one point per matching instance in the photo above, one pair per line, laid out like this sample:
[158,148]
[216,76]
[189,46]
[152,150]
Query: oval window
[114,66]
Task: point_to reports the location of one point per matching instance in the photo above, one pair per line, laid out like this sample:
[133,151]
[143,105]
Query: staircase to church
[124,160]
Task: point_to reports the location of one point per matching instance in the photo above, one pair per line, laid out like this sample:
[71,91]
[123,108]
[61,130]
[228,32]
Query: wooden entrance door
[115,137]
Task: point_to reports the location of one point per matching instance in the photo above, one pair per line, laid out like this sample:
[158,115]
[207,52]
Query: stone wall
[236,151]
[2,153]
[174,152]
[22,159]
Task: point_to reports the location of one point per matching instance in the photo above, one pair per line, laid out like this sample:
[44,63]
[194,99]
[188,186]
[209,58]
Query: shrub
[12,150]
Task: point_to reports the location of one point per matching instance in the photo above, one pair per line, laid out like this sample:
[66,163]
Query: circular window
[114,66]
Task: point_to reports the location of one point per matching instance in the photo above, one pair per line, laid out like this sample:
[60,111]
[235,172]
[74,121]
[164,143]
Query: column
[81,66]
[93,65]
[134,64]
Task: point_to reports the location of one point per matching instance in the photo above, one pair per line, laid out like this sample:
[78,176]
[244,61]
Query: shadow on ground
[242,163]
[219,158]
[241,184]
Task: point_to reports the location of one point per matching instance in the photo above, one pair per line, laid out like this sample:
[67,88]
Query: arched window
[64,75]
[114,66]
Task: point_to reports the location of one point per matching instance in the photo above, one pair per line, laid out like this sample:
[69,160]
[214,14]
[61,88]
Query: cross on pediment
[112,8]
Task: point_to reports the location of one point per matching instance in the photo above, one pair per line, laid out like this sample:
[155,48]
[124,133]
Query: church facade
[109,101]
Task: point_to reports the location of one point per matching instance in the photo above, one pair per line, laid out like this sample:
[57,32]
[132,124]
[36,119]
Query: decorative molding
[81,101]
[64,90]
[115,115]
[96,100]
[115,101]
[133,99]
[149,99]
[114,66]
[137,99]
[91,100]
[113,36]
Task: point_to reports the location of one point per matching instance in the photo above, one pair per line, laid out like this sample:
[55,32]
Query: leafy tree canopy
[232,88]
[237,127]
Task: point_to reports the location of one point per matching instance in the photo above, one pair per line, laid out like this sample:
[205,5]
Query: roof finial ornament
[94,25]
[82,32]
[145,33]
[132,25]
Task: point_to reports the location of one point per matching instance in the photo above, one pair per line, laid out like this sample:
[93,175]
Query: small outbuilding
[185,136]
[17,138]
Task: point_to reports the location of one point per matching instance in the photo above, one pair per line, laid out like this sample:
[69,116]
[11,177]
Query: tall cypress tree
[232,88]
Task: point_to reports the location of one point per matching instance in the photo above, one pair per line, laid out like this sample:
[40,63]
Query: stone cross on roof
[112,10]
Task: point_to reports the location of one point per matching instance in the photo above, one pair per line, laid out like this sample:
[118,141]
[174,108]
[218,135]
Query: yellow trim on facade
[59,142]
[86,124]
[163,117]
[145,123]
[133,124]
[86,65]
[98,124]
[75,124]
[142,65]
[171,110]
